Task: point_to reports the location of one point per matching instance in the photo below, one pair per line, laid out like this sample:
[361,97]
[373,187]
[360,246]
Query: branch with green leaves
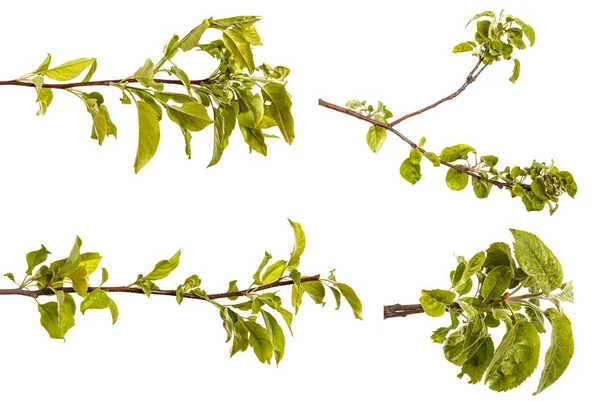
[538,184]
[231,92]
[241,319]
[503,291]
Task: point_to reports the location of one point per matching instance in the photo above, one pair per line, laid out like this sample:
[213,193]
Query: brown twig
[125,289]
[404,310]
[470,79]
[99,83]
[413,144]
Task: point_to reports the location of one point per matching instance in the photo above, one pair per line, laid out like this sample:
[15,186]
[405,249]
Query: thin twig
[413,144]
[470,79]
[404,310]
[125,289]
[99,83]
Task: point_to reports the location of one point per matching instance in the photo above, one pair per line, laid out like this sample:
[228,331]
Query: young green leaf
[516,71]
[35,258]
[315,290]
[145,76]
[434,301]
[456,180]
[433,158]
[191,116]
[259,340]
[463,47]
[299,244]
[276,334]
[537,260]
[560,351]
[456,152]
[164,268]
[376,137]
[263,264]
[496,282]
[410,171]
[280,108]
[481,187]
[255,139]
[67,71]
[149,134]
[224,124]
[98,300]
[352,299]
[274,271]
[477,364]
[515,359]
[190,40]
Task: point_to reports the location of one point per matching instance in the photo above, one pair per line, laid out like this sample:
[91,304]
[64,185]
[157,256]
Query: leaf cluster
[537,185]
[496,38]
[484,293]
[251,322]
[232,94]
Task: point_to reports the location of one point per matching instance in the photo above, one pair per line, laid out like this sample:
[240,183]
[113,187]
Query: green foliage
[496,38]
[251,322]
[497,298]
[232,92]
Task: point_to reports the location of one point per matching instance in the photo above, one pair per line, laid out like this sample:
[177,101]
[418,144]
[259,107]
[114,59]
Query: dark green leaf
[35,258]
[460,151]
[456,180]
[352,299]
[164,268]
[515,359]
[149,134]
[280,108]
[496,282]
[537,260]
[559,353]
[478,363]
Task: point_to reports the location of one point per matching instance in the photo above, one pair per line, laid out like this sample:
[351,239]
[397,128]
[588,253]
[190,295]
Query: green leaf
[240,49]
[190,40]
[232,288]
[456,180]
[263,264]
[145,76]
[439,335]
[299,244]
[489,160]
[496,282]
[98,300]
[240,338]
[559,353]
[35,258]
[463,47]
[182,75]
[104,276]
[351,298]
[10,276]
[149,134]
[274,271]
[224,125]
[480,15]
[252,108]
[260,341]
[191,116]
[315,290]
[473,266]
[434,301]
[478,363]
[67,71]
[527,30]
[72,262]
[280,109]
[164,268]
[276,334]
[239,21]
[49,320]
[515,359]
[410,171]
[44,95]
[255,139]
[337,296]
[516,71]
[376,137]
[456,152]
[499,254]
[537,260]
[567,294]
[44,66]
[91,72]
[297,293]
[79,279]
[66,310]
[433,158]
[481,187]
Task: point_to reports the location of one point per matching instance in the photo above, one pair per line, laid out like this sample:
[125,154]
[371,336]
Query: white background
[386,238]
